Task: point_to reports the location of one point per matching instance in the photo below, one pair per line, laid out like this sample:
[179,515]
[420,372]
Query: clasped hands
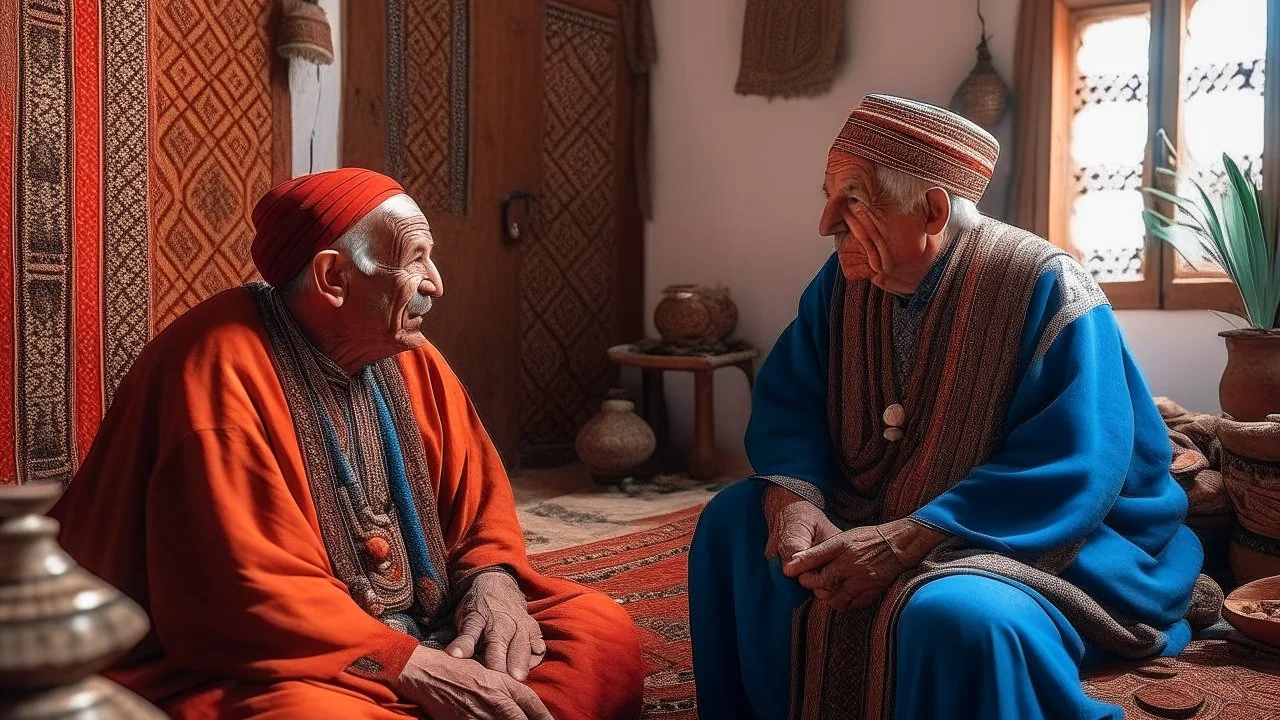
[847,570]
[481,673]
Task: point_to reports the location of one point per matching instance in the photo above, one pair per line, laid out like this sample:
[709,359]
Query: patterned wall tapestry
[567,272]
[427,73]
[137,135]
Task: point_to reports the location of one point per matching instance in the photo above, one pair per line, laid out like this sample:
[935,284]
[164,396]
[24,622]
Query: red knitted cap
[300,217]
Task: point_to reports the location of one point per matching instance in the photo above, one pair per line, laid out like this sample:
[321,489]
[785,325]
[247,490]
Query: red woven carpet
[646,572]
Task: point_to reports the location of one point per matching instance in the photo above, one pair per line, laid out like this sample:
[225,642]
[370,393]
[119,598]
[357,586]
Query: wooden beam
[281,105]
[363,131]
[1187,290]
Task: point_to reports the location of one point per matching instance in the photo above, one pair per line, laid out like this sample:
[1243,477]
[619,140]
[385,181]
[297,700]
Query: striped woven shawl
[956,398]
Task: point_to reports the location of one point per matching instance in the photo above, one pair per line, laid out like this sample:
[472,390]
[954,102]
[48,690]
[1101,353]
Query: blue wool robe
[1083,456]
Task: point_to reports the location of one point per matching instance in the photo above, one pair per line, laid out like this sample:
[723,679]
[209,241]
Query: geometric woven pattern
[1239,683]
[427,116]
[646,573]
[568,294]
[141,136]
[211,146]
[42,251]
[428,52]
[126,277]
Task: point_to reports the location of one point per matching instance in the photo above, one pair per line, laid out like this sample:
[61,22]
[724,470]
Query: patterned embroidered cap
[921,140]
[300,217]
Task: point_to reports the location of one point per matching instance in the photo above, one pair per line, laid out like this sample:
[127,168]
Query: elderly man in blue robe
[963,494]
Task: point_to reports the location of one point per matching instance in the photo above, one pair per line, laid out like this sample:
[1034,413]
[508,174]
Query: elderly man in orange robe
[296,487]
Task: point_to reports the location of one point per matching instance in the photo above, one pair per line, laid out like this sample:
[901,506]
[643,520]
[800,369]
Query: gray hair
[909,191]
[356,244]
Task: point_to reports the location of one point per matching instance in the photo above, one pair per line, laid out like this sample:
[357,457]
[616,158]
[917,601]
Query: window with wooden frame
[1122,73]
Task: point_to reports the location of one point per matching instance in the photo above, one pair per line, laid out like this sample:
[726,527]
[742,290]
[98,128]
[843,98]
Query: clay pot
[1251,473]
[1250,386]
[615,442]
[695,314]
[724,314]
[58,622]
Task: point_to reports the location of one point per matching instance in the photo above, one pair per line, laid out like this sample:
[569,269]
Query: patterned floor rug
[646,572]
[564,507]
[1236,682]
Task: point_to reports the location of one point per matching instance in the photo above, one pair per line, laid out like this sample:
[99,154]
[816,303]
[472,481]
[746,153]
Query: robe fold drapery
[194,501]
[1070,500]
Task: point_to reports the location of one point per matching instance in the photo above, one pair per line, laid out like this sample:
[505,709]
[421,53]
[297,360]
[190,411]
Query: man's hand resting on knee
[795,524]
[495,627]
[851,569]
[450,688]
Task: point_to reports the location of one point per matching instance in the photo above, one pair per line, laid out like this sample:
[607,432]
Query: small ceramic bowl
[1247,597]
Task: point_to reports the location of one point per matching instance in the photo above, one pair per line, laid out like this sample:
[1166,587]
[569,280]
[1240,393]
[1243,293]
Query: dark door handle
[516,211]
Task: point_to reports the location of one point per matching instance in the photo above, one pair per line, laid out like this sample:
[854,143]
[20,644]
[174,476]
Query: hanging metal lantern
[983,96]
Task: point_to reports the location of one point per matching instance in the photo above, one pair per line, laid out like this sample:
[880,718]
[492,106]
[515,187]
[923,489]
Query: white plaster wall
[315,94]
[737,178]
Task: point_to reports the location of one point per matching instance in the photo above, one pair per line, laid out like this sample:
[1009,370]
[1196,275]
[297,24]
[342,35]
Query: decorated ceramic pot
[615,442]
[1251,473]
[695,314]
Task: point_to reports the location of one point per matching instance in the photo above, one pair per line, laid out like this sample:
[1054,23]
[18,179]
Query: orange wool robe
[194,501]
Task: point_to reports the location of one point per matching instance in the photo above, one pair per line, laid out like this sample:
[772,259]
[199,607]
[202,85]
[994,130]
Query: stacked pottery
[1251,473]
[616,442]
[694,314]
[58,623]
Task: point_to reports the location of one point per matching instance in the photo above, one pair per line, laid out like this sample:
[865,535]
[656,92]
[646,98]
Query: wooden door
[582,268]
[444,95]
[468,103]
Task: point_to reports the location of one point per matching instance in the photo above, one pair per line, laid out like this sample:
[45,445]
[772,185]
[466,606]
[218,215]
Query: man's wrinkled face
[391,302]
[872,235]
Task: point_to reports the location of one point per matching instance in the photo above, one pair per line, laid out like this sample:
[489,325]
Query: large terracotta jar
[1250,386]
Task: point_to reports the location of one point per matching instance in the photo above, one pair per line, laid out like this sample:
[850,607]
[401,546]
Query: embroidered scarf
[367,470]
[959,388]
[955,397]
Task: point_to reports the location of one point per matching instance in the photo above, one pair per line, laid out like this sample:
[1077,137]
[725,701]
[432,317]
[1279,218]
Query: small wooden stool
[703,463]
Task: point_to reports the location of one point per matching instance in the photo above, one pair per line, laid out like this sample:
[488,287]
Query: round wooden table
[703,462]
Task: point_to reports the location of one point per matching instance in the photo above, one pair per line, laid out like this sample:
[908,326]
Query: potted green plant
[1238,234]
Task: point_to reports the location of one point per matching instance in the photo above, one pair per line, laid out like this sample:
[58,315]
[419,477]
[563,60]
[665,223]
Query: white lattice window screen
[1222,103]
[1108,131]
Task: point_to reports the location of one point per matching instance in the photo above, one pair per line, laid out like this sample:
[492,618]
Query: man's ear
[329,278]
[937,206]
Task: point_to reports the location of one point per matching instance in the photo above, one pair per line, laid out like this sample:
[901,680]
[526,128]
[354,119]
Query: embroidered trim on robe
[367,470]
[956,399]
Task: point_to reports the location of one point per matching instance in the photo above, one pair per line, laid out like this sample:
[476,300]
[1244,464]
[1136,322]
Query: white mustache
[420,305]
